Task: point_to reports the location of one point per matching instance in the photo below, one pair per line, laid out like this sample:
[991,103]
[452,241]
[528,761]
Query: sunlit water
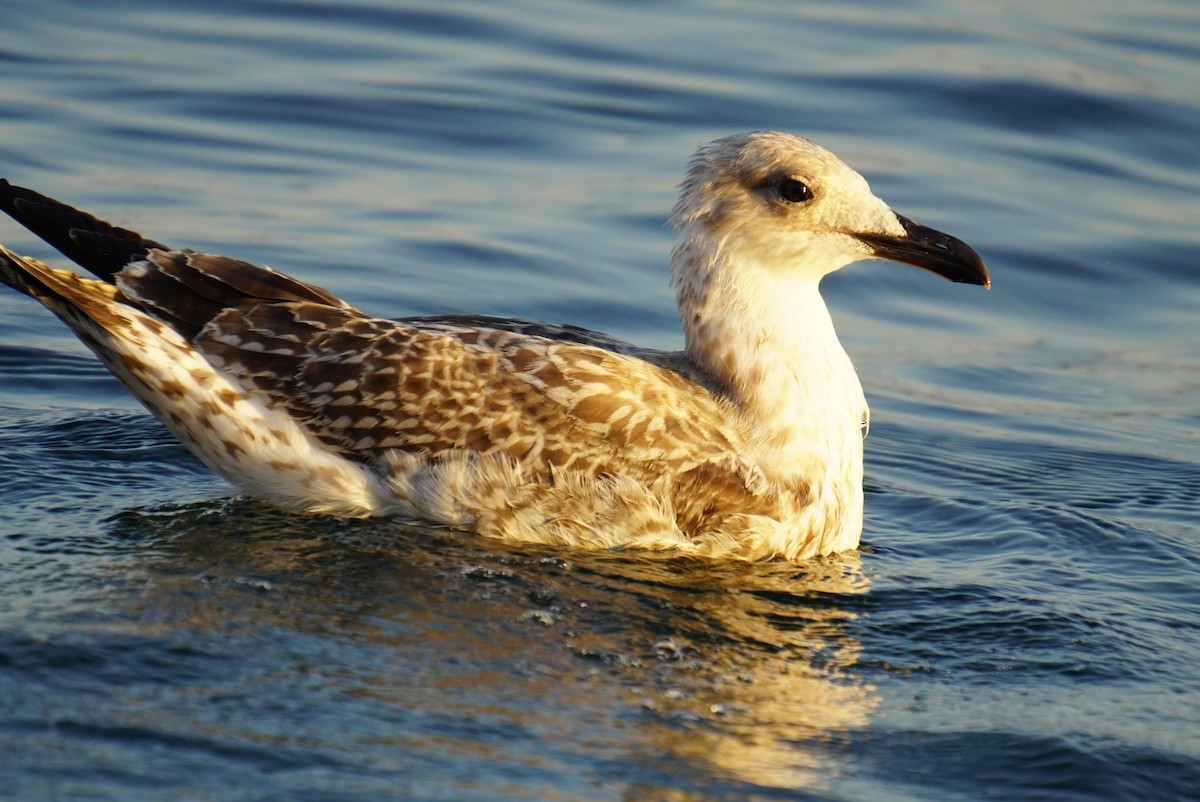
[1022,621]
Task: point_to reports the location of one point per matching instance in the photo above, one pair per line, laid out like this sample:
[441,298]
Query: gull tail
[104,249]
[143,316]
[71,297]
[180,288]
[91,243]
[91,308]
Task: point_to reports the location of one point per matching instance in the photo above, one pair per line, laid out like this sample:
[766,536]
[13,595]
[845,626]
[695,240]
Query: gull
[746,444]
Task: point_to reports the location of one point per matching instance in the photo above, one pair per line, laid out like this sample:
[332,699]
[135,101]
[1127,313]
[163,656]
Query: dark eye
[793,190]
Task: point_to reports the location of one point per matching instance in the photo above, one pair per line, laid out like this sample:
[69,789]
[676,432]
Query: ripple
[1026,590]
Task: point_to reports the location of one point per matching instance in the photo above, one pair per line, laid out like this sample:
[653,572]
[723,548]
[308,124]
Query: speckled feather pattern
[512,434]
[746,444]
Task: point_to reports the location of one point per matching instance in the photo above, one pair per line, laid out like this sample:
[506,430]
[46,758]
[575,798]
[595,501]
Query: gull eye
[793,190]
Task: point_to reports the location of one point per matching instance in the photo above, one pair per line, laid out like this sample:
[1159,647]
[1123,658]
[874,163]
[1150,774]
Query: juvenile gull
[747,444]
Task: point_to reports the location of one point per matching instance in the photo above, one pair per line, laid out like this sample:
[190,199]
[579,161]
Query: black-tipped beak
[931,249]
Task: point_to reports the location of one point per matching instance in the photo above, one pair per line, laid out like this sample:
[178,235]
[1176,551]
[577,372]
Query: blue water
[1023,620]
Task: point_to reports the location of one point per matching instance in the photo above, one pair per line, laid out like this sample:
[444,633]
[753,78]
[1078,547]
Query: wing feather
[364,385]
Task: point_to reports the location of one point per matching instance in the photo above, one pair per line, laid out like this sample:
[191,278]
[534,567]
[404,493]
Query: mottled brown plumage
[745,444]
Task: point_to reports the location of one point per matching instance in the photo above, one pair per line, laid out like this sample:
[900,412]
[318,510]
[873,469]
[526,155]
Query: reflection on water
[736,672]
[1023,624]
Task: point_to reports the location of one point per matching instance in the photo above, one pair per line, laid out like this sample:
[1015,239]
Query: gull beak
[931,249]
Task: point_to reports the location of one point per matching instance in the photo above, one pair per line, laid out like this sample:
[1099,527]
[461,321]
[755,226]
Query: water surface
[1021,622]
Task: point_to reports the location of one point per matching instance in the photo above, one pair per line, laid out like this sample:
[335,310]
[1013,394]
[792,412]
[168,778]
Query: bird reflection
[679,673]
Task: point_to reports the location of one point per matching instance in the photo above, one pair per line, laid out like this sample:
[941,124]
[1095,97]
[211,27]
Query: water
[1021,622]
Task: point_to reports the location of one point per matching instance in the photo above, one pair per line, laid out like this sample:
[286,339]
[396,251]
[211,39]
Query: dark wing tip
[90,242]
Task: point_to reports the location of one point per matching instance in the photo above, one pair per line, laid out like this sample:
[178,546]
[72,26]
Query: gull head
[784,205]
